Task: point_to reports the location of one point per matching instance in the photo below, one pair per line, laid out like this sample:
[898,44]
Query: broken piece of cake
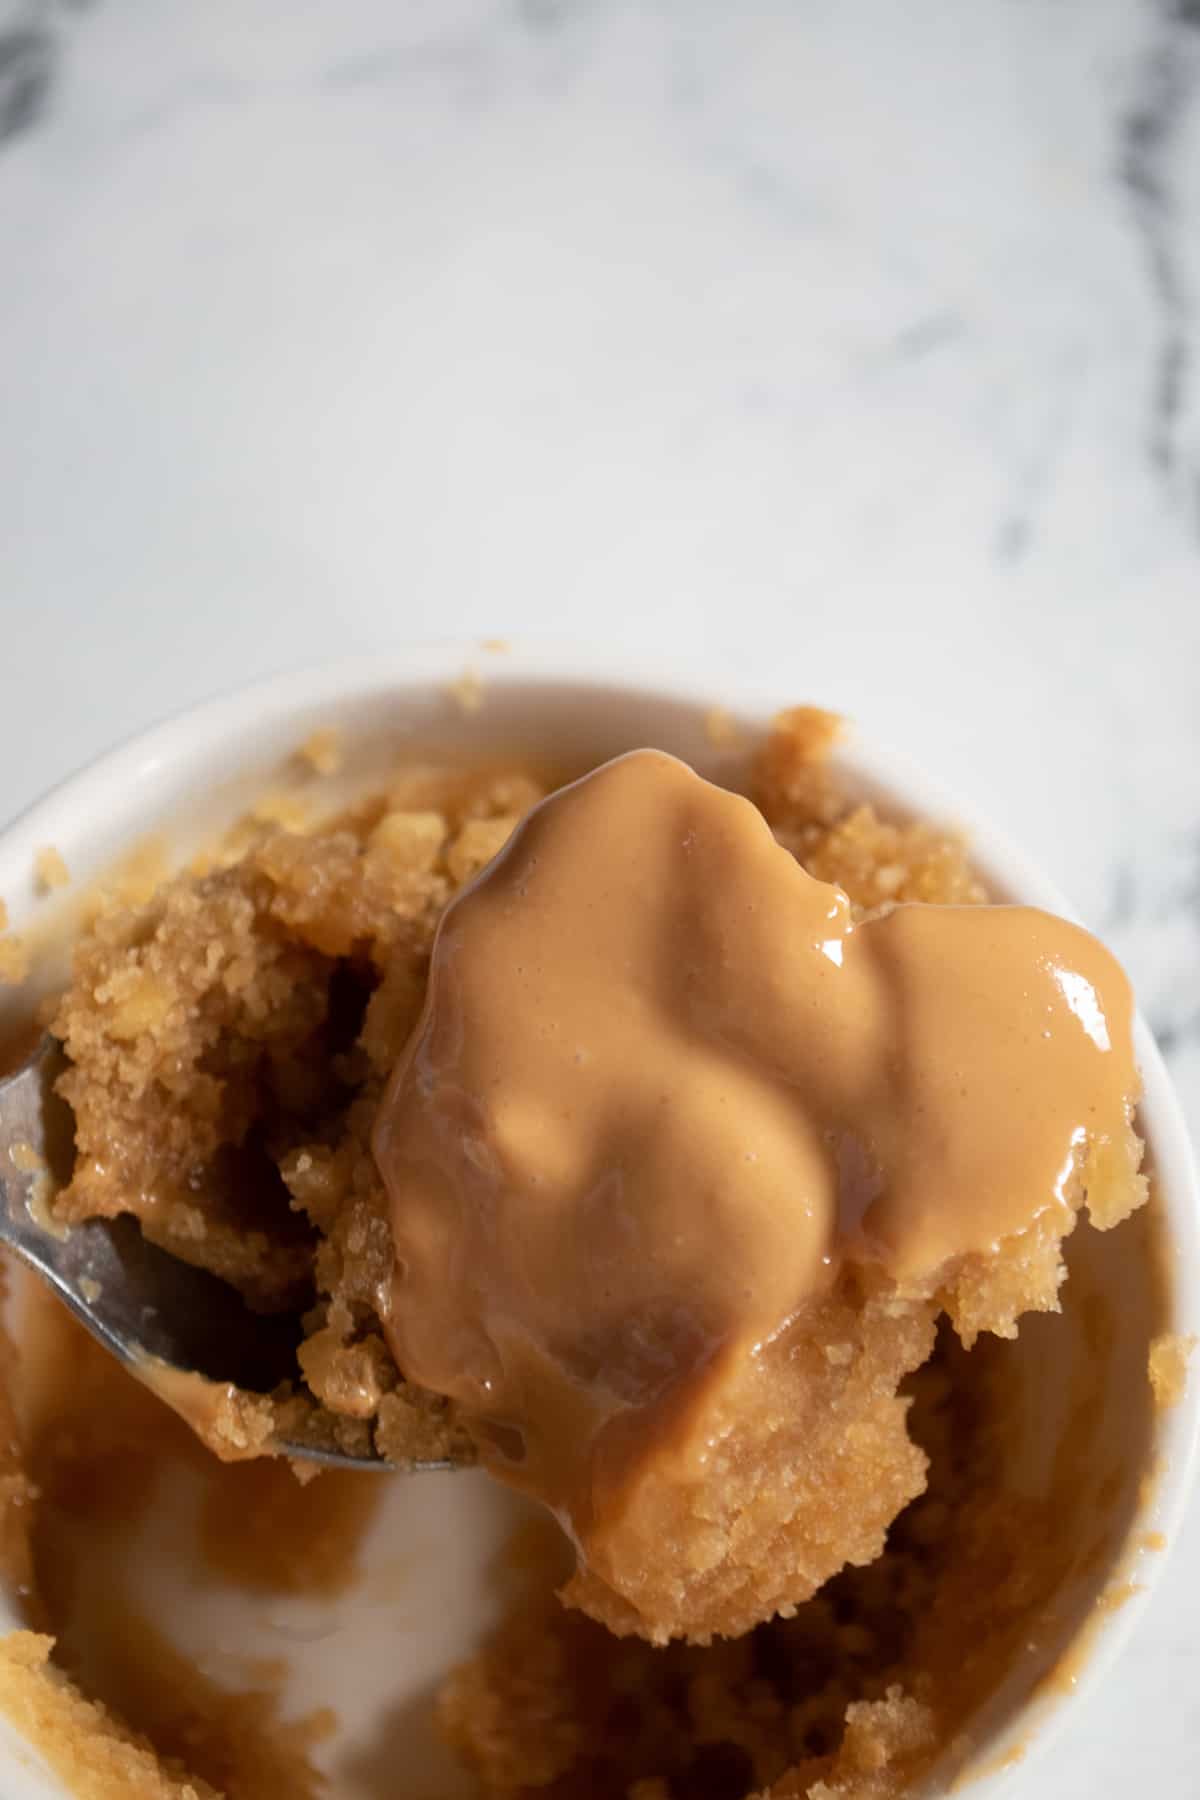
[685,1160]
[691,1116]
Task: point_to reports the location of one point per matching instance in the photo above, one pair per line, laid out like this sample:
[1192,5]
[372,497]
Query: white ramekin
[185,778]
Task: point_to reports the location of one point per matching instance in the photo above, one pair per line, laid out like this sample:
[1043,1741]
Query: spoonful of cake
[179,1328]
[682,1161]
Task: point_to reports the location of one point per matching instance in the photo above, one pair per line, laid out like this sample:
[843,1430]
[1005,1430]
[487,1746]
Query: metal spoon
[159,1316]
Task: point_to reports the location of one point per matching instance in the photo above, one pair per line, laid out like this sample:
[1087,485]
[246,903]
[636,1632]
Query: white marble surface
[852,339]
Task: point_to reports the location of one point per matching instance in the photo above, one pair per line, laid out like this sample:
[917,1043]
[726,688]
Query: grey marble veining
[1156,146]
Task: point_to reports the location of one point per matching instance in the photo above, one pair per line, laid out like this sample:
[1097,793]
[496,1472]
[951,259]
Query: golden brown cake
[232,1029]
[685,1159]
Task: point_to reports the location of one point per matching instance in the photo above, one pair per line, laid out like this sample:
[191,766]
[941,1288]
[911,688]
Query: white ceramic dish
[364,1655]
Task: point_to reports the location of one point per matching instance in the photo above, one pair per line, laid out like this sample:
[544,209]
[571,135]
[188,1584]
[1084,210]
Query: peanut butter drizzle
[231,1422]
[665,1089]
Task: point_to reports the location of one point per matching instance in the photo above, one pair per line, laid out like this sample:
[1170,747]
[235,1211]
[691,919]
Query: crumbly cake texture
[809,1463]
[856,1697]
[50,870]
[230,1035]
[250,1752]
[230,1031]
[557,1706]
[229,1038]
[96,1756]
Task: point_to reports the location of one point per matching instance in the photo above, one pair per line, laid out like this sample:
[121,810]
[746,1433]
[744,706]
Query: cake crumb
[322,751]
[414,1427]
[25,1158]
[14,961]
[90,1288]
[1169,1356]
[476,844]
[496,646]
[50,870]
[721,729]
[467,691]
[288,811]
[38,1200]
[96,1756]
[1008,1759]
[139,874]
[412,840]
[1115,1597]
[3,916]
[1153,1540]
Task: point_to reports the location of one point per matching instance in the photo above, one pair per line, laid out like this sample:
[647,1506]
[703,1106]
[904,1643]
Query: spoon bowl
[179,1329]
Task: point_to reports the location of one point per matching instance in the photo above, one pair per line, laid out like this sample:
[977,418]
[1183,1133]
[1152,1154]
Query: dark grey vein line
[1150,132]
[26,65]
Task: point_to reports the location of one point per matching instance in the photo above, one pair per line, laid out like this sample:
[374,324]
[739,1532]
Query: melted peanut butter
[234,1424]
[665,1089]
